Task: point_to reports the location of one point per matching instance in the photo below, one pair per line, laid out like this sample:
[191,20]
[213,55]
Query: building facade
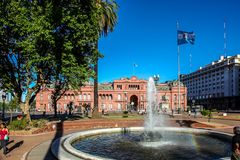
[217,85]
[119,95]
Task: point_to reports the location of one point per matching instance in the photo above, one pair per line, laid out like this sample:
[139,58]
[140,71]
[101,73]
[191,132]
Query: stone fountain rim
[66,150]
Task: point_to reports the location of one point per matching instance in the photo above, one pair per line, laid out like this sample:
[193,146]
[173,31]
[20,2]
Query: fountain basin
[67,144]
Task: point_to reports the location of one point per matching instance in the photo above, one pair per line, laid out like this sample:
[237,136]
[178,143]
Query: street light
[132,103]
[126,100]
[156,78]
[3,109]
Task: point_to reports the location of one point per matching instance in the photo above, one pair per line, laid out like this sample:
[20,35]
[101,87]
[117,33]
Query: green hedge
[18,124]
[125,114]
[206,112]
[23,124]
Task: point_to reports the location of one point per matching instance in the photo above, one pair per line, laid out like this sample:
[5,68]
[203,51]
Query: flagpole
[179,106]
[190,60]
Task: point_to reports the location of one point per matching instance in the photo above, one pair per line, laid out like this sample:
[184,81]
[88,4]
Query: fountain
[152,115]
[152,118]
[143,143]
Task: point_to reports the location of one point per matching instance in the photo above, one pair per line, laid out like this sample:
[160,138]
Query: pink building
[116,96]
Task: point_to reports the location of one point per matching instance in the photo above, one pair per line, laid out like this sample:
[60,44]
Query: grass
[228,117]
[119,116]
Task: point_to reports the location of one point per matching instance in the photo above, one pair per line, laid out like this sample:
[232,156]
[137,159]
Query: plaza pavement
[36,147]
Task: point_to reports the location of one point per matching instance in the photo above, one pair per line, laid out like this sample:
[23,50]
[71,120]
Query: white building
[217,85]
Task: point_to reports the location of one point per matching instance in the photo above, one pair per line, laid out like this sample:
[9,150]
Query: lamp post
[125,93]
[156,78]
[195,111]
[3,109]
[132,103]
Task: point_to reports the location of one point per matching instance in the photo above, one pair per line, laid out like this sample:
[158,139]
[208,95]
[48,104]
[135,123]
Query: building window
[183,96]
[65,107]
[110,107]
[89,96]
[110,97]
[167,97]
[175,97]
[65,97]
[84,97]
[80,97]
[41,97]
[103,106]
[119,107]
[141,97]
[119,87]
[119,97]
[49,97]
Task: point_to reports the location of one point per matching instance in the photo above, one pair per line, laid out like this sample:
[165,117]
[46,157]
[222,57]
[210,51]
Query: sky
[146,35]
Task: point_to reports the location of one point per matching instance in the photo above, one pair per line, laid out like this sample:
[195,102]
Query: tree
[76,31]
[107,22]
[45,43]
[24,50]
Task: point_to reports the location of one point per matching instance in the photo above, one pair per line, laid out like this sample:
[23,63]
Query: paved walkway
[37,147]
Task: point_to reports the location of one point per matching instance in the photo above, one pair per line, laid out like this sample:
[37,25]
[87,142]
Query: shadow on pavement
[16,145]
[58,134]
[9,142]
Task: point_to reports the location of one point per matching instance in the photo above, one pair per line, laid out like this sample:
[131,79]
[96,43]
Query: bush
[125,114]
[38,123]
[22,124]
[18,124]
[205,112]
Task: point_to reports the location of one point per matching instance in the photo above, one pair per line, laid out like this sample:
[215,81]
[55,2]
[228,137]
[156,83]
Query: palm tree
[108,20]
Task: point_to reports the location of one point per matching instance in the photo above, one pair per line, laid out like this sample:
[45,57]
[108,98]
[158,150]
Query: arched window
[84,97]
[110,107]
[80,96]
[119,106]
[89,97]
[175,97]
[119,97]
[41,97]
[65,107]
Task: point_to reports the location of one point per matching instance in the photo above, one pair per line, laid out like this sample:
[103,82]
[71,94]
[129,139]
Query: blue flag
[184,37]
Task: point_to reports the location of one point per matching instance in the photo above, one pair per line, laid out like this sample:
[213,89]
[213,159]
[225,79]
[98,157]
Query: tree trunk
[25,109]
[96,113]
[55,107]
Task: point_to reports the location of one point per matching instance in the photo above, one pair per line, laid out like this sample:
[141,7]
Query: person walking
[236,143]
[4,137]
[189,113]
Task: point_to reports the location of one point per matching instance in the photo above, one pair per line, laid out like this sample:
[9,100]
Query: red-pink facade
[116,96]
